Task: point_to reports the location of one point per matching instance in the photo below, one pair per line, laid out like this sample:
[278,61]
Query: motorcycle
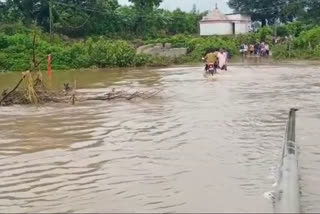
[211,69]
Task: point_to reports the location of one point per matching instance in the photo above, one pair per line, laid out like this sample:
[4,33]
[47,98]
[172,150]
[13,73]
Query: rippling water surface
[202,146]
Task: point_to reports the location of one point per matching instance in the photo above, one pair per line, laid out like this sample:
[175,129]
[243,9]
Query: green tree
[2,11]
[183,22]
[144,13]
[312,14]
[33,11]
[295,28]
[267,11]
[11,11]
[144,5]
[71,17]
[292,10]
[283,30]
[106,22]
[85,17]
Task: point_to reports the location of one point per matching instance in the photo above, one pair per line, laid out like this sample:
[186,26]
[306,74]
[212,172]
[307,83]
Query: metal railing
[287,194]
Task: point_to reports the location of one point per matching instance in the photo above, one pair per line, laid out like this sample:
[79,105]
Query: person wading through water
[251,49]
[223,57]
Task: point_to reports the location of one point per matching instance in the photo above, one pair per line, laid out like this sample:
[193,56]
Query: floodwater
[202,146]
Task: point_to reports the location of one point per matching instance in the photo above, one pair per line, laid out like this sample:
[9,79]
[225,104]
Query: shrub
[308,39]
[283,30]
[107,53]
[142,59]
[16,48]
[264,32]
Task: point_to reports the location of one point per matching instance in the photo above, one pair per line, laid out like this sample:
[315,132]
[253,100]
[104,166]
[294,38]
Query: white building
[217,23]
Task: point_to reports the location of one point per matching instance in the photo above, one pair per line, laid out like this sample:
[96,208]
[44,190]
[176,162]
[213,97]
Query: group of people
[218,59]
[258,49]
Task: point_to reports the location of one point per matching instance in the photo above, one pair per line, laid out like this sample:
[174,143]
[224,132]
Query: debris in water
[35,92]
[269,195]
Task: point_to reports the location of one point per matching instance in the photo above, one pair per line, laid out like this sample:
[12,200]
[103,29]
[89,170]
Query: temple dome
[215,15]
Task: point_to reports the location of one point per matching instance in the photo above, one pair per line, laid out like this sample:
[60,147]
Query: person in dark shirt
[256,48]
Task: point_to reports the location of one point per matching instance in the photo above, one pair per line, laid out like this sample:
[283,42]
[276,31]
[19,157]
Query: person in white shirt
[267,48]
[223,58]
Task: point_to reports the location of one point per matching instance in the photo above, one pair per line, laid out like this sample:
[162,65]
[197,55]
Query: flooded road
[203,146]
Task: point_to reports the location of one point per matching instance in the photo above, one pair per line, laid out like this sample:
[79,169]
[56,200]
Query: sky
[187,5]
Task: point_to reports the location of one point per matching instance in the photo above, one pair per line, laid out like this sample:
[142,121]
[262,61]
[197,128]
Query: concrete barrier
[287,194]
[160,50]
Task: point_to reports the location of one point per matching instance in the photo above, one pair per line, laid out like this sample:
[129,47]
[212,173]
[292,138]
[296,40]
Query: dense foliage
[16,50]
[305,46]
[269,11]
[16,47]
[80,18]
[101,33]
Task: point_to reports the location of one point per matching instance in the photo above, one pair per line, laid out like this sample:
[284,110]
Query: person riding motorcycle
[211,58]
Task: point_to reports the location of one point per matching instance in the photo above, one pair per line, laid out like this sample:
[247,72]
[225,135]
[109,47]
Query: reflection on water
[205,146]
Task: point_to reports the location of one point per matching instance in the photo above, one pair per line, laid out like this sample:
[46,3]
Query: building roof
[215,15]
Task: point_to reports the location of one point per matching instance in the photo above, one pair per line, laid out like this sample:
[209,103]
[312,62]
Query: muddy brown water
[203,146]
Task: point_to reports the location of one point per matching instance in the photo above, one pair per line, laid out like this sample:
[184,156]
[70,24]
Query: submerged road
[204,146]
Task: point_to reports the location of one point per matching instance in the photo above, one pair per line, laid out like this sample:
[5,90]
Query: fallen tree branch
[35,89]
[13,90]
[34,65]
[126,95]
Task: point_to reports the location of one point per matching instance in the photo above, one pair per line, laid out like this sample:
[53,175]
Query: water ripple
[207,147]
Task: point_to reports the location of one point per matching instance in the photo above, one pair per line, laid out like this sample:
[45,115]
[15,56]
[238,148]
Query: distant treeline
[81,18]
[275,11]
[101,33]
[143,19]
[16,44]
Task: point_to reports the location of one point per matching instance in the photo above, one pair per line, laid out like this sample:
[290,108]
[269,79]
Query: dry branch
[127,95]
[43,96]
[34,66]
[13,90]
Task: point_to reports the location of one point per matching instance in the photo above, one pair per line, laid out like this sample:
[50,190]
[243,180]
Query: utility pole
[50,18]
[276,22]
[275,28]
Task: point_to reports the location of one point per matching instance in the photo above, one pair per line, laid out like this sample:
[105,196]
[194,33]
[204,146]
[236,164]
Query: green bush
[297,27]
[280,51]
[3,62]
[264,32]
[16,48]
[287,51]
[214,43]
[142,59]
[283,30]
[308,39]
[79,55]
[250,38]
[12,29]
[3,41]
[107,53]
[16,52]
